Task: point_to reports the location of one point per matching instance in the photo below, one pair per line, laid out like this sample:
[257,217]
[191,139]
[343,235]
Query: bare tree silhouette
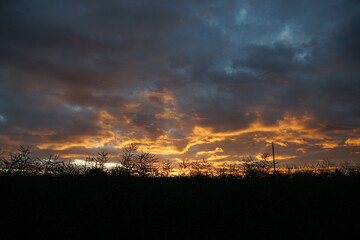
[145,165]
[200,168]
[98,161]
[166,168]
[257,168]
[127,160]
[135,163]
[23,161]
[184,166]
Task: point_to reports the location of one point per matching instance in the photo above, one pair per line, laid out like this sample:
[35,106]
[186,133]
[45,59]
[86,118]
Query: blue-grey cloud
[226,64]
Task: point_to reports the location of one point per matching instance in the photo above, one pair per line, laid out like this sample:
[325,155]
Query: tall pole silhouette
[273,153]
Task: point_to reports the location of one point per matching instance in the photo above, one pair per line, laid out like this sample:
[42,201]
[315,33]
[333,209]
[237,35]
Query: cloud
[181,78]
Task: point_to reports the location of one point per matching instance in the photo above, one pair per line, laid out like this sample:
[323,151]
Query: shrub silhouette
[184,167]
[145,165]
[127,165]
[227,170]
[135,163]
[52,165]
[3,162]
[97,162]
[166,168]
[23,161]
[200,168]
[257,168]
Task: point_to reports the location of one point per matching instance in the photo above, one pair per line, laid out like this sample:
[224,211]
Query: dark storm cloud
[227,64]
[279,59]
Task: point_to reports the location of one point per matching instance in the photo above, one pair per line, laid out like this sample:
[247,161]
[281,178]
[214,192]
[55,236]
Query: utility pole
[273,153]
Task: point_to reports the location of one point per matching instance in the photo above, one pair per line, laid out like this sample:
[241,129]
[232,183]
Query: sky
[214,80]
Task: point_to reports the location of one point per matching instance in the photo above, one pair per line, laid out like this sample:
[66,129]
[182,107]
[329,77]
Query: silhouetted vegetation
[135,163]
[50,198]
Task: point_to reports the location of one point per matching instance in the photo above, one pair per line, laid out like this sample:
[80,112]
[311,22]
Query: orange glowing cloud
[106,137]
[184,133]
[278,157]
[355,142]
[217,150]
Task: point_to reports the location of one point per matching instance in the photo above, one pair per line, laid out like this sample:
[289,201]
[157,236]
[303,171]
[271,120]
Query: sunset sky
[195,79]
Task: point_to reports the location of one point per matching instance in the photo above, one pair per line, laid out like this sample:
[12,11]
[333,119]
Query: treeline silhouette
[135,163]
[53,199]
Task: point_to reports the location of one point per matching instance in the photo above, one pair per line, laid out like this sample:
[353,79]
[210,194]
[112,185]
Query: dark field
[112,207]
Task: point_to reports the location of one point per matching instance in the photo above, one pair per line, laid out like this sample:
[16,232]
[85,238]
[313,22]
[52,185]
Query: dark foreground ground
[110,207]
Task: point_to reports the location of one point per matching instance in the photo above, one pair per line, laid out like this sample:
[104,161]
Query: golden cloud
[355,142]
